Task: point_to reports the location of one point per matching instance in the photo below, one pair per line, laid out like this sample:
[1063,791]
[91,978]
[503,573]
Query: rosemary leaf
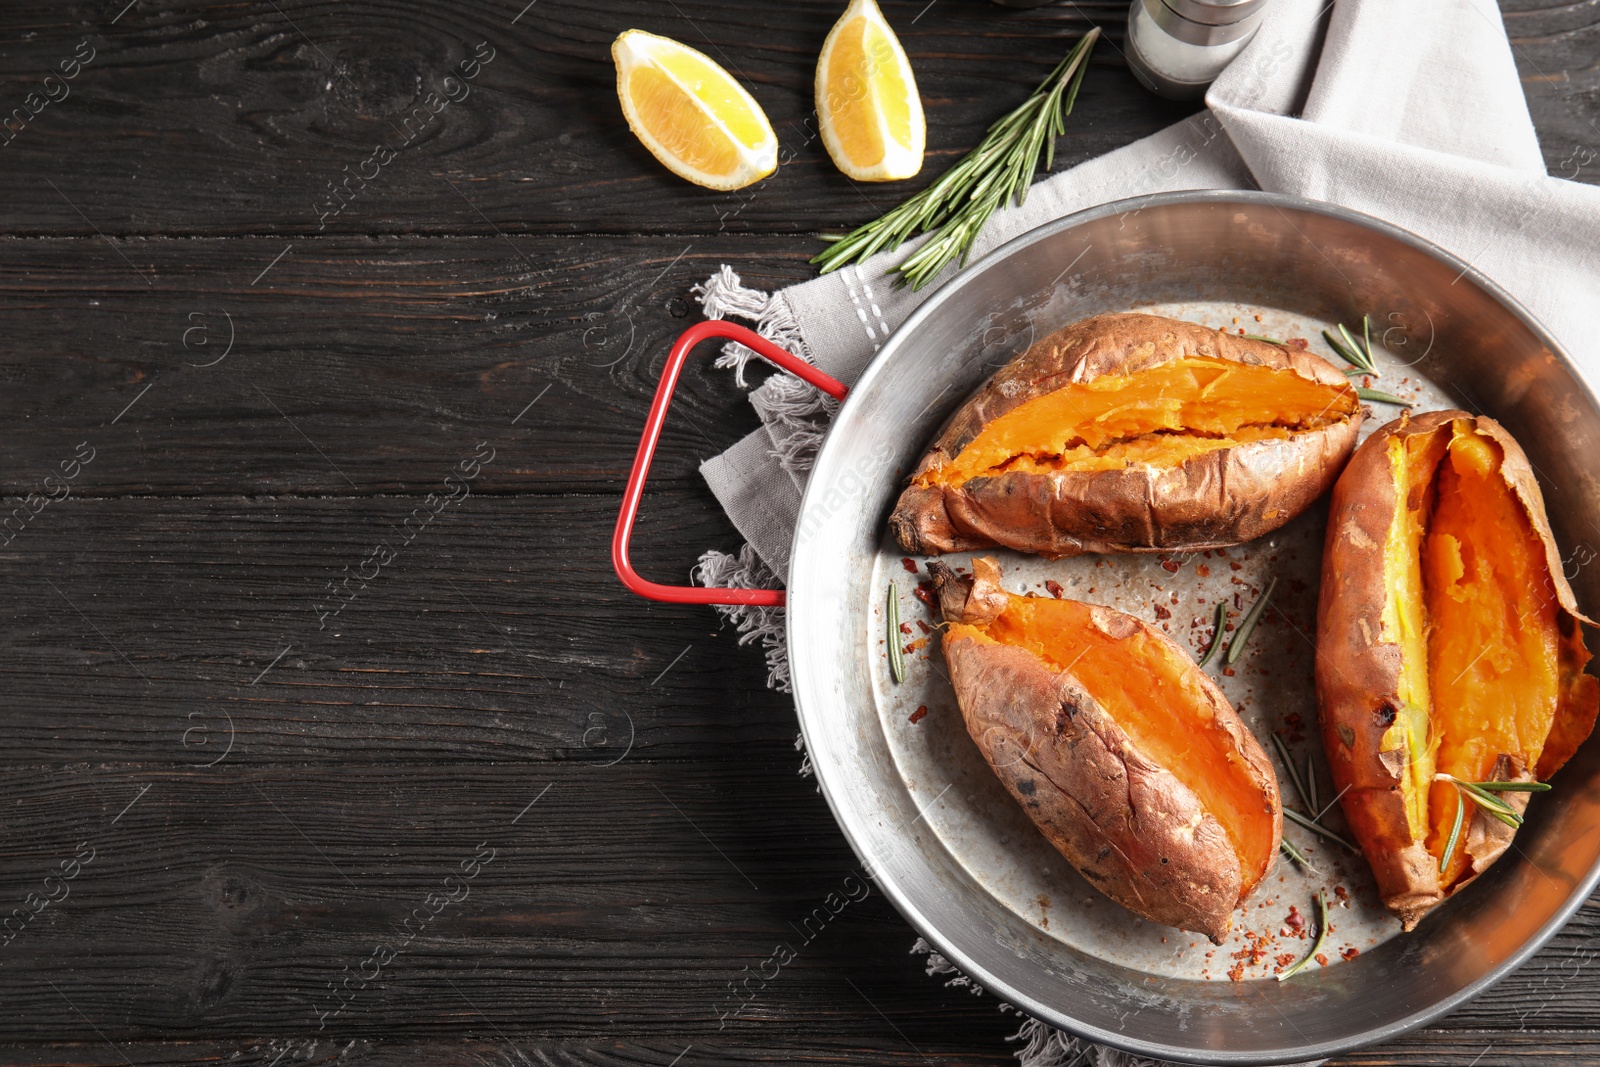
[1248,624]
[1482,794]
[1363,355]
[1259,337]
[1513,787]
[1294,773]
[1317,828]
[1311,781]
[1216,634]
[1287,848]
[1381,397]
[1489,803]
[1316,946]
[1455,834]
[897,660]
[1349,350]
[998,172]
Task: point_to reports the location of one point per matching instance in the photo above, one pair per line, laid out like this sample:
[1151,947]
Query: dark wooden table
[289,778]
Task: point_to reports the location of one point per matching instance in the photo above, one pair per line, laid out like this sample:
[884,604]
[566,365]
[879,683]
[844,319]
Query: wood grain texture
[521,247]
[361,366]
[228,899]
[286,880]
[156,630]
[235,120]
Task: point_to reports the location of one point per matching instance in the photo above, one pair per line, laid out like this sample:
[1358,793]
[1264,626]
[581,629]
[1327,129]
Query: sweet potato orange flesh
[1493,661]
[1490,666]
[1148,687]
[1161,417]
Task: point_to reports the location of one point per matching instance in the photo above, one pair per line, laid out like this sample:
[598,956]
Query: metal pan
[944,841]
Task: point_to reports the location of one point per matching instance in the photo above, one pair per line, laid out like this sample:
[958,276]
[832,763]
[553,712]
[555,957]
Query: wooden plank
[1426,1048]
[361,367]
[485,1047]
[1554,46]
[593,902]
[160,629]
[1477,1048]
[241,120]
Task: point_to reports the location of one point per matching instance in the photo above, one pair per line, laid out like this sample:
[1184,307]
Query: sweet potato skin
[1216,499]
[1358,672]
[1130,826]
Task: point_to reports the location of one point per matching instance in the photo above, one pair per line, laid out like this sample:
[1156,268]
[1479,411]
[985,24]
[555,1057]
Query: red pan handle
[700,331]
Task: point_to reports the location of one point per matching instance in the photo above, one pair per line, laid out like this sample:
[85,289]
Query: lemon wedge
[691,114]
[867,103]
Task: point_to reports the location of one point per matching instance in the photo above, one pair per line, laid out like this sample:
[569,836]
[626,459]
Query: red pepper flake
[1054,588]
[1171,566]
[1321,959]
[1203,571]
[925,627]
[916,646]
[1228,671]
[1258,318]
[1284,959]
[1350,953]
[1162,613]
[909,564]
[1235,566]
[1299,342]
[1341,892]
[924,593]
[1236,972]
[1295,921]
[905,627]
[920,714]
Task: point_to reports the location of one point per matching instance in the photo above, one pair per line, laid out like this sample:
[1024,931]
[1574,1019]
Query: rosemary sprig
[897,660]
[1356,353]
[1483,795]
[1455,834]
[1316,946]
[996,173]
[1359,355]
[1248,624]
[1317,828]
[1216,634]
[1287,848]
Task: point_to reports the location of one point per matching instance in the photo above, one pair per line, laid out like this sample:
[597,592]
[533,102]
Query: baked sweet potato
[1132,433]
[1124,753]
[1448,642]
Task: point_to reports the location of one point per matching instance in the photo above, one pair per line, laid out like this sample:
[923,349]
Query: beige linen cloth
[1408,110]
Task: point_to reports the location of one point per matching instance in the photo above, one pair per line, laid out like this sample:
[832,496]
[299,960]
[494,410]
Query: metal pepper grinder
[1176,48]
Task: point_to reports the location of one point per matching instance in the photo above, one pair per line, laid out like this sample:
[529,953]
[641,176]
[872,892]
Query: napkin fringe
[1042,1045]
[795,414]
[790,409]
[724,294]
[720,570]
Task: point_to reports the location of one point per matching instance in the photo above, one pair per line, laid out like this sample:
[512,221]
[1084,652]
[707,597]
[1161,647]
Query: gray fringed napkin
[1406,111]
